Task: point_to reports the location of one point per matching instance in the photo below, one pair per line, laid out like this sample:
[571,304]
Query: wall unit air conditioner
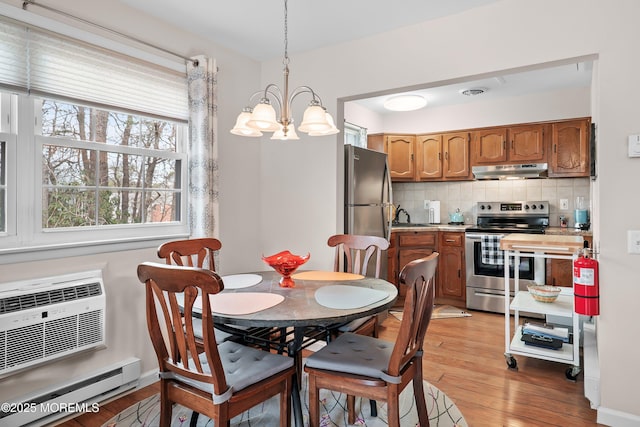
[48,318]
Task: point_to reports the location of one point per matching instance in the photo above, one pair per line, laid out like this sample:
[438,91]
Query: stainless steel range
[485,274]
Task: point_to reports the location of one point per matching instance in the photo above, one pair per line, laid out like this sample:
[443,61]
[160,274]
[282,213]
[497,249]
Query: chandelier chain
[285,60]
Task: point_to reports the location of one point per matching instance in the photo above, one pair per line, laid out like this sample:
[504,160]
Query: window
[92,145]
[101,167]
[100,176]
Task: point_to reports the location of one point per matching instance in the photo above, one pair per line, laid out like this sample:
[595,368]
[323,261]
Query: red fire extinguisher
[586,289]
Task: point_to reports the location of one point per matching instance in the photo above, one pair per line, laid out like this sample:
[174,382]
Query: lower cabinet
[407,246]
[451,269]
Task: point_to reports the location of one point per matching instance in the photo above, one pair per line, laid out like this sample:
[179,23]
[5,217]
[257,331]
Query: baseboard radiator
[48,318]
[72,398]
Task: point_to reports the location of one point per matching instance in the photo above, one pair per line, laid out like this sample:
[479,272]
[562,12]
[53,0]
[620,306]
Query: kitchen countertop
[554,231]
[431,227]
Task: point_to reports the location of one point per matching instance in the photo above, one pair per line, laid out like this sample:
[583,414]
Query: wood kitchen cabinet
[451,269]
[408,246]
[400,156]
[509,144]
[559,272]
[429,157]
[442,156]
[456,164]
[569,155]
[448,156]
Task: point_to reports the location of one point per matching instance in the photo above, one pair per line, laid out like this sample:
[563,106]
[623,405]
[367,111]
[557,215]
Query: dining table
[256,308]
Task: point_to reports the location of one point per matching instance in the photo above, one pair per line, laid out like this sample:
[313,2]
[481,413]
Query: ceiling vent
[473,91]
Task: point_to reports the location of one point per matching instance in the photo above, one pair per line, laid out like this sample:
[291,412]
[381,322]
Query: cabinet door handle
[449,240]
[504,144]
[458,274]
[439,156]
[554,148]
[512,144]
[411,156]
[446,155]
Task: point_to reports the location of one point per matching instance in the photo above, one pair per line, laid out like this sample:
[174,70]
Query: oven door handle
[479,236]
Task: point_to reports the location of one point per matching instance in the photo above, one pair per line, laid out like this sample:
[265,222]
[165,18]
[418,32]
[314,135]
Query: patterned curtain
[203,148]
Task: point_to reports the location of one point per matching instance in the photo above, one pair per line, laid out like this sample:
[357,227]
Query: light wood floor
[464,358]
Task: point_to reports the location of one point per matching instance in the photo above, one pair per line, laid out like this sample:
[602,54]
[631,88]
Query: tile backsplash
[466,194]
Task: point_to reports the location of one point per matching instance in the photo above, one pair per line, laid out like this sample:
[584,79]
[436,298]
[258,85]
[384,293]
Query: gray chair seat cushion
[243,366]
[355,354]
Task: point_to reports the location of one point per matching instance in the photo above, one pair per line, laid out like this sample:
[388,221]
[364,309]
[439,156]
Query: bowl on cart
[544,293]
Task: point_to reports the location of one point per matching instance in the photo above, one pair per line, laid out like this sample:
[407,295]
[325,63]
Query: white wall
[505,35]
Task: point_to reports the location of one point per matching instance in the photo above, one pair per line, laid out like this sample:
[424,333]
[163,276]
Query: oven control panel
[513,208]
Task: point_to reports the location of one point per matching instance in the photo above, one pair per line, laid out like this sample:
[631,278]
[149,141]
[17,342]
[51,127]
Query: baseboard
[611,417]
[148,378]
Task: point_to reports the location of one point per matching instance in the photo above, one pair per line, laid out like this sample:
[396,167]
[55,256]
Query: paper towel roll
[434,211]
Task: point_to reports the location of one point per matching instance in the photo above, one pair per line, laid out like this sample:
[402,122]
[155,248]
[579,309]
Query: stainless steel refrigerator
[368,198]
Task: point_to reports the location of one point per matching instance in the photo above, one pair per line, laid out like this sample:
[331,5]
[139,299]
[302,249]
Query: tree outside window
[102,167]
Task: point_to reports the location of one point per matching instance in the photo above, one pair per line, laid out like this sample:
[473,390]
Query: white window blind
[45,63]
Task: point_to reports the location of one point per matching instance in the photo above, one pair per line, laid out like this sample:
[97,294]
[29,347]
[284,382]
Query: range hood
[517,171]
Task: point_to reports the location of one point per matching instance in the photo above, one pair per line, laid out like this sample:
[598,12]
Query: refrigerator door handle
[389,202]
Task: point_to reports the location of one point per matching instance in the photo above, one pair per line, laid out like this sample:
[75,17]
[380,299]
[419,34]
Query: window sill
[67,250]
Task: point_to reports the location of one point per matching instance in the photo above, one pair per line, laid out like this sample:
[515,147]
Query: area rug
[439,312]
[442,412]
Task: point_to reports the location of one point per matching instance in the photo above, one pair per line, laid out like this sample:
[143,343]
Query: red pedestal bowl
[286,264]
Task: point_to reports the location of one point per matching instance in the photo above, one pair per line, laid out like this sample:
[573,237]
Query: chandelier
[253,121]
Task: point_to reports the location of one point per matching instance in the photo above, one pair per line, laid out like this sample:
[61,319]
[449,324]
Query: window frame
[26,239]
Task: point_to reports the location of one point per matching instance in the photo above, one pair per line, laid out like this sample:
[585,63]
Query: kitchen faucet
[396,220]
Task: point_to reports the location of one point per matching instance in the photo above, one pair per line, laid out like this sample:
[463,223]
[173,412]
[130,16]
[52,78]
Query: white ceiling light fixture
[316,121]
[405,102]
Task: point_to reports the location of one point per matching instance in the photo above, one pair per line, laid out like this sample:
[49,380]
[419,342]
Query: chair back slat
[418,276]
[356,252]
[192,252]
[176,346]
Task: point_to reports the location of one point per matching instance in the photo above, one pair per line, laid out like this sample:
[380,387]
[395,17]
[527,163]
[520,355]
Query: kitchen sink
[411,224]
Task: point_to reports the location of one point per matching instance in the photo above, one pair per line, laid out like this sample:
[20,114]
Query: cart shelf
[561,247]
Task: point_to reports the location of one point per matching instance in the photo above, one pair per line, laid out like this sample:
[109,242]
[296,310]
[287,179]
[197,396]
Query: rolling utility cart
[516,246]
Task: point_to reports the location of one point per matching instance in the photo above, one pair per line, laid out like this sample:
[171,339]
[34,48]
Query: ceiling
[255,28]
[547,79]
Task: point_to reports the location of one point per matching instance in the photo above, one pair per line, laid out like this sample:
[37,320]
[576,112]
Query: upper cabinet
[456,164]
[512,144]
[570,148]
[429,157]
[400,155]
[564,145]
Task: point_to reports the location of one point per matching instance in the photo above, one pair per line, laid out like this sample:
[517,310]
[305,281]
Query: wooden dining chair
[194,253]
[359,255]
[224,380]
[360,365]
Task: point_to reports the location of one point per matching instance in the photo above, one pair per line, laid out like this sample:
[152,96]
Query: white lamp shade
[314,120]
[241,127]
[291,133]
[331,131]
[263,118]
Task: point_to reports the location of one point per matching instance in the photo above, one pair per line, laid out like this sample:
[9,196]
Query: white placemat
[239,281]
[346,297]
[240,303]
